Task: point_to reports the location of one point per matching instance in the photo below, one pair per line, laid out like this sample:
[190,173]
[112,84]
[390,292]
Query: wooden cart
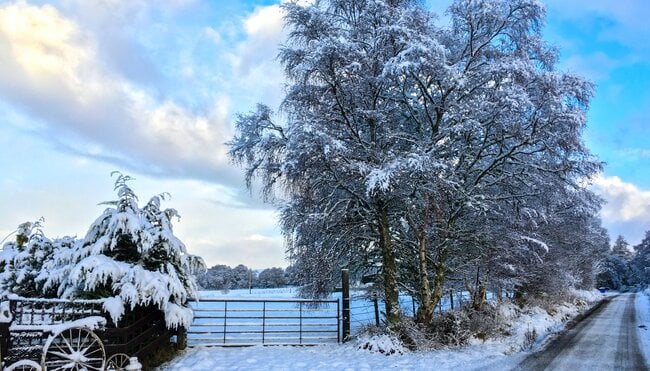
[74,335]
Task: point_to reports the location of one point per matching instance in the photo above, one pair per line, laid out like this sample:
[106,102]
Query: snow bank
[529,328]
[642,305]
[335,358]
[381,343]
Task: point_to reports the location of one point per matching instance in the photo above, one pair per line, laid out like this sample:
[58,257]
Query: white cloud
[265,23]
[215,226]
[52,72]
[627,211]
[254,60]
[263,36]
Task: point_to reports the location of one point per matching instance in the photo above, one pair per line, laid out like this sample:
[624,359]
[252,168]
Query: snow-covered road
[606,340]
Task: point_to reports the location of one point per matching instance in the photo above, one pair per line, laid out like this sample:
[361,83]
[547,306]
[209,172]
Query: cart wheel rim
[24,365]
[74,349]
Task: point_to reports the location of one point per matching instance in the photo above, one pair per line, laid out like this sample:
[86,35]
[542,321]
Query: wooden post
[181,339]
[345,296]
[375,301]
[250,280]
[451,299]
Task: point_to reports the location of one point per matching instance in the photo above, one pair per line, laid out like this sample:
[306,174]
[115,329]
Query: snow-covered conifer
[22,260]
[129,257]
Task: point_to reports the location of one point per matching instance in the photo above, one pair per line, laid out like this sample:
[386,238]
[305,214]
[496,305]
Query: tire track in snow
[604,340]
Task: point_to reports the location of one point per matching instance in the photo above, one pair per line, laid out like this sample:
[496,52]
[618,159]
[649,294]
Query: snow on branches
[414,146]
[129,256]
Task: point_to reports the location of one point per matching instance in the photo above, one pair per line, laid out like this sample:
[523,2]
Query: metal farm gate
[232,322]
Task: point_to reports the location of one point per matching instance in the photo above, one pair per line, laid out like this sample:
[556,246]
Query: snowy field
[361,307]
[362,311]
[503,354]
[338,357]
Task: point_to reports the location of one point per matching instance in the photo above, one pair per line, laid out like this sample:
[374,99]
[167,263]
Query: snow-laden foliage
[21,260]
[129,256]
[426,152]
[641,261]
[623,268]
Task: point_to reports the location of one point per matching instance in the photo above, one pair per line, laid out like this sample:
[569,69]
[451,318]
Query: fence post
[300,305]
[181,338]
[345,294]
[225,319]
[451,299]
[375,301]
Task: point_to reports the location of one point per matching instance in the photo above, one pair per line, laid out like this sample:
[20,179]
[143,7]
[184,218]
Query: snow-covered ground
[501,354]
[335,357]
[642,305]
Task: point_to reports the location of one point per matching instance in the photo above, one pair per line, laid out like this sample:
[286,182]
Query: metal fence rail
[232,322]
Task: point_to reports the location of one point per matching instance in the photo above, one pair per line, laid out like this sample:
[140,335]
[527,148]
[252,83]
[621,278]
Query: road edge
[572,323]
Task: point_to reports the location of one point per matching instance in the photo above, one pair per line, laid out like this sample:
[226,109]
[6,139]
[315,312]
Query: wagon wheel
[117,362]
[24,365]
[76,349]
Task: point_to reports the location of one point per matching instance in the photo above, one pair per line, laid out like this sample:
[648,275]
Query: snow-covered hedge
[129,257]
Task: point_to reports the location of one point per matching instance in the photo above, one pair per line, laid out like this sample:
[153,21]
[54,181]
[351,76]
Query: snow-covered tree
[22,260]
[217,277]
[243,277]
[129,257]
[223,277]
[400,138]
[641,260]
[622,248]
[130,254]
[623,268]
[271,277]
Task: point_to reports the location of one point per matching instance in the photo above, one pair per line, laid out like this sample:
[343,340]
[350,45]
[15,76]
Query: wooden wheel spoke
[93,351]
[74,349]
[79,336]
[60,365]
[117,361]
[86,338]
[65,339]
[59,361]
[63,355]
[58,346]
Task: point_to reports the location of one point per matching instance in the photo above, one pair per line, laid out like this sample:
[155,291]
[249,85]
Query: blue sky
[150,88]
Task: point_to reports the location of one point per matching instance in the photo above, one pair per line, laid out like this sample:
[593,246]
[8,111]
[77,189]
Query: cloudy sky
[151,88]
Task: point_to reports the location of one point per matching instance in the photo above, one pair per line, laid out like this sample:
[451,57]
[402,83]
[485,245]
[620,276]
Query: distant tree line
[626,267]
[223,277]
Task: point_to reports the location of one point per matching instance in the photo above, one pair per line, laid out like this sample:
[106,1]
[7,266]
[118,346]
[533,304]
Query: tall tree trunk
[425,311]
[389,267]
[429,297]
[440,272]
